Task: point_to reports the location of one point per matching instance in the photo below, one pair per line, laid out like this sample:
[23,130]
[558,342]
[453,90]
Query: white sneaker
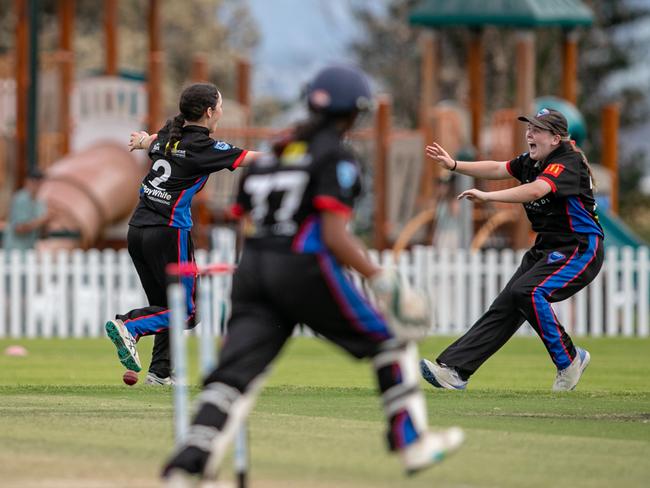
[431,448]
[155,380]
[441,376]
[125,344]
[568,378]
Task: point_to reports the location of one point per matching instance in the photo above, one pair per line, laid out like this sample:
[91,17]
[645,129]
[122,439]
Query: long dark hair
[575,148]
[195,100]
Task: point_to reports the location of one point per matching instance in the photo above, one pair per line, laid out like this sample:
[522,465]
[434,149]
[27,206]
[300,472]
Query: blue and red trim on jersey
[181,216]
[354,305]
[308,238]
[580,219]
[549,326]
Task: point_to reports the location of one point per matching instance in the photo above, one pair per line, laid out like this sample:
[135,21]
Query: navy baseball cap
[548,119]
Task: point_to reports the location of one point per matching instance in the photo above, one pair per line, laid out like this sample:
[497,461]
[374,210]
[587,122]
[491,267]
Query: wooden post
[610,126]
[199,68]
[243,84]
[154,82]
[22,82]
[476,85]
[570,66]
[525,72]
[525,96]
[428,76]
[66,69]
[428,97]
[110,31]
[382,147]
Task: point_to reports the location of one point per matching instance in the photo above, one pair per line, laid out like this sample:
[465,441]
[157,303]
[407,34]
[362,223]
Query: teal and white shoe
[567,378]
[125,344]
[441,376]
[431,448]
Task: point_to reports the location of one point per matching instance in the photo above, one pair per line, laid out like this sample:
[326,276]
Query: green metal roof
[506,13]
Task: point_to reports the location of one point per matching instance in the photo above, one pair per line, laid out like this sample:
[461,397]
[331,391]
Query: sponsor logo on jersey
[155,194]
[555,257]
[156,147]
[346,174]
[554,169]
[295,154]
[222,146]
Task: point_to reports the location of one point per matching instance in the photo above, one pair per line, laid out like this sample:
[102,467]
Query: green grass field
[66,420]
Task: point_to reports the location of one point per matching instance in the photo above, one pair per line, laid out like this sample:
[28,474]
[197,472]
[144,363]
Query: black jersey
[284,195]
[177,175]
[570,206]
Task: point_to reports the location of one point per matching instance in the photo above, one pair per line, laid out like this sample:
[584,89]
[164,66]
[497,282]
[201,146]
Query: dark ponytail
[195,100]
[584,160]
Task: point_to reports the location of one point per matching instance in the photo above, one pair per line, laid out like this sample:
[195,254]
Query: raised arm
[489,170]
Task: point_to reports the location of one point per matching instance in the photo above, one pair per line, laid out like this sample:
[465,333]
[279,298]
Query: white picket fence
[72,294]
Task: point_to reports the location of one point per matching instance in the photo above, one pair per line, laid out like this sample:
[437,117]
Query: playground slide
[88,191]
[617,234]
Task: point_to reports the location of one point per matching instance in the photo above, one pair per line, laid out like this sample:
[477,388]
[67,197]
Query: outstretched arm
[519,194]
[489,170]
[250,157]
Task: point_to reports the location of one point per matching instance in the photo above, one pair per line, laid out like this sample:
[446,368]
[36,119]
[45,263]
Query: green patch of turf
[66,419]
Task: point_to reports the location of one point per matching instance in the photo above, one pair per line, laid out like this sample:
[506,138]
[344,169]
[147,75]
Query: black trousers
[554,269]
[271,293]
[152,249]
[274,291]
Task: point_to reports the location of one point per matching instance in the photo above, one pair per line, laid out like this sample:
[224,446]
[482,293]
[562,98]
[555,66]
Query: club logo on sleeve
[554,169]
[555,257]
[222,146]
[346,174]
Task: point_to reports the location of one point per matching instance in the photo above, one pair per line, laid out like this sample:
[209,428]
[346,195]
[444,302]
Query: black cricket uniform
[566,257]
[287,275]
[159,230]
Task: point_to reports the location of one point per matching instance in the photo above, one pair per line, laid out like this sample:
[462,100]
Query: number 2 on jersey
[167,172]
[291,183]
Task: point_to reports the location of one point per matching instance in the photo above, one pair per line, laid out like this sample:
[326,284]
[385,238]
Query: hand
[440,156]
[405,309]
[475,195]
[141,140]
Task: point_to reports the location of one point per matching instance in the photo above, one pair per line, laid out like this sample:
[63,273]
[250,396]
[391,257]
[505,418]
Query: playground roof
[505,13]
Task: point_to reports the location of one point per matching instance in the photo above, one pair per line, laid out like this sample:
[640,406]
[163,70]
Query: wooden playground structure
[407,192]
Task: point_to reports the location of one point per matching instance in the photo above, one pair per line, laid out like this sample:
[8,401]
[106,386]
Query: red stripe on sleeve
[550,182]
[331,204]
[508,169]
[240,159]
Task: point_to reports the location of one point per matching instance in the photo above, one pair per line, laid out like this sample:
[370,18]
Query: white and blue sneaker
[441,376]
[567,378]
[125,344]
[431,448]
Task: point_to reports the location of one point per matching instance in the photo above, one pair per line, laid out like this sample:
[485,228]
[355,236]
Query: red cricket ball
[130,377]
